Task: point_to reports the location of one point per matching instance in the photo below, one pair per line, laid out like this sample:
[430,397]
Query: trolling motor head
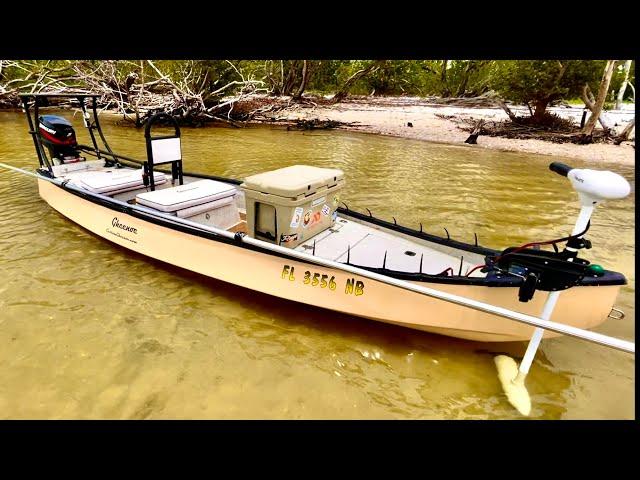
[593,186]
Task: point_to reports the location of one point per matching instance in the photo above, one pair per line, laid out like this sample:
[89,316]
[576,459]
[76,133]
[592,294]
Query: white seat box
[186,196]
[109,182]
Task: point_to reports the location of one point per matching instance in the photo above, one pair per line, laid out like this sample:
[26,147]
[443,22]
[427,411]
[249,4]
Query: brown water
[90,330]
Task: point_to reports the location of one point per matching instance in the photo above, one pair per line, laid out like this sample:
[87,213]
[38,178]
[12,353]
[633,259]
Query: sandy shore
[391,117]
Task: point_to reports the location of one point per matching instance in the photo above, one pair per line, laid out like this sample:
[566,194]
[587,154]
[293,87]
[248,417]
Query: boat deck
[366,246]
[362,244]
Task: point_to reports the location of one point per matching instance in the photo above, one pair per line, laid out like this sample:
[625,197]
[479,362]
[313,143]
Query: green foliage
[325,76]
[396,77]
[468,77]
[538,82]
[543,81]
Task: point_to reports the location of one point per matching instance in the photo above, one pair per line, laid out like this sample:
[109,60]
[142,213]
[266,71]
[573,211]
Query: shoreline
[432,122]
[391,116]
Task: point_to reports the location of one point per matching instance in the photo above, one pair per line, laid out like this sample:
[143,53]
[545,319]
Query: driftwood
[143,92]
[473,138]
[625,134]
[317,124]
[565,132]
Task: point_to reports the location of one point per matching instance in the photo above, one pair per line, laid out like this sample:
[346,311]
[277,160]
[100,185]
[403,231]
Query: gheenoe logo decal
[116,223]
[127,228]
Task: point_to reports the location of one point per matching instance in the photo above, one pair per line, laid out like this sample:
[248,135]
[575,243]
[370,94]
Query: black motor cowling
[58,136]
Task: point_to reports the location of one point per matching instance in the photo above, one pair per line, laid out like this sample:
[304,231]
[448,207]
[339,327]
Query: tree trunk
[303,83]
[541,104]
[344,90]
[623,87]
[290,79]
[587,132]
[587,98]
[443,79]
[529,107]
[540,107]
[588,95]
[465,78]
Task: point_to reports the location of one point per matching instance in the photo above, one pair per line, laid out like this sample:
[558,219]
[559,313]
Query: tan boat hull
[583,307]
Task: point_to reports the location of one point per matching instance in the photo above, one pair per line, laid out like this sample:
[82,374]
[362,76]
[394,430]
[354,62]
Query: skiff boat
[288,233]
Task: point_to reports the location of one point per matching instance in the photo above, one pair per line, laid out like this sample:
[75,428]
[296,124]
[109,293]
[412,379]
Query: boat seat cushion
[109,182]
[186,196]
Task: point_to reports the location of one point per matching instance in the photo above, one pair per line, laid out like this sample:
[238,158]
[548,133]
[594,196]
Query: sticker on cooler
[326,210]
[297,216]
[310,219]
[288,238]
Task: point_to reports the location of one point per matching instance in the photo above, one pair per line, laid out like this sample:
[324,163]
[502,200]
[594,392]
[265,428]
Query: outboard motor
[58,136]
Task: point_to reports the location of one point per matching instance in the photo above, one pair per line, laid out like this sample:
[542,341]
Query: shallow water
[90,330]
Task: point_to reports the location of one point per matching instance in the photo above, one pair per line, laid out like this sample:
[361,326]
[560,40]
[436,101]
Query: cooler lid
[293,181]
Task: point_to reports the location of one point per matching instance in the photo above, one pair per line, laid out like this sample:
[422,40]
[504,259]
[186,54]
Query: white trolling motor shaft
[593,186]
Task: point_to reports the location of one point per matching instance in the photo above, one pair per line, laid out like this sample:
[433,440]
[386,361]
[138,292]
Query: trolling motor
[549,271]
[593,187]
[58,135]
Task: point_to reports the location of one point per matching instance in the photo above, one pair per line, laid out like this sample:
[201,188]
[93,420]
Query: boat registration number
[321,280]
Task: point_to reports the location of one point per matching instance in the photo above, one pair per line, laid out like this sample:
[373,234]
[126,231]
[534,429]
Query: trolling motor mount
[556,271]
[541,270]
